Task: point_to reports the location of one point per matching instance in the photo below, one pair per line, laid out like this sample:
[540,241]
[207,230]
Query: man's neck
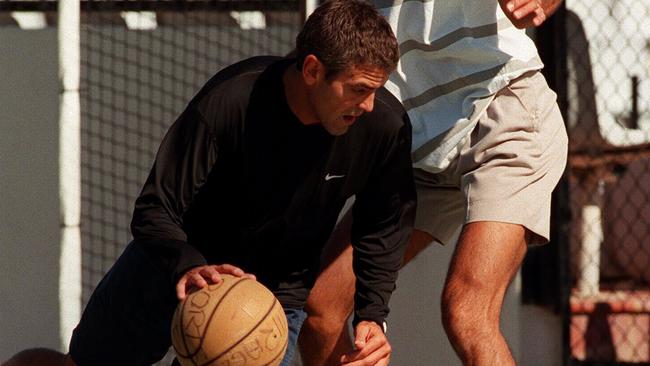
[296,92]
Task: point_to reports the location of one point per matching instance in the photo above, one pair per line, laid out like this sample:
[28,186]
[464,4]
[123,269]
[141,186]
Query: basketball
[235,322]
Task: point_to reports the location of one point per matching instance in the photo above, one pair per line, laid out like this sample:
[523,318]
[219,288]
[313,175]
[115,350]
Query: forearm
[164,240]
[383,218]
[377,258]
[181,166]
[373,288]
[175,257]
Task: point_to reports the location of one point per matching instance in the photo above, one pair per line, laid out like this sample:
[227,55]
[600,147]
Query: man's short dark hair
[346,33]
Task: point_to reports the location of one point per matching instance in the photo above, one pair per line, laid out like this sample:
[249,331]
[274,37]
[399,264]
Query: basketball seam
[209,320]
[182,315]
[214,310]
[286,344]
[275,300]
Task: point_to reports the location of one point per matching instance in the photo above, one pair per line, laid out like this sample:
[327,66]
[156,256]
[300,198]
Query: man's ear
[312,70]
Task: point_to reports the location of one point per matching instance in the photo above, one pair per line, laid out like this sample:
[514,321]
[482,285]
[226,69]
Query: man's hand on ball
[199,277]
[371,346]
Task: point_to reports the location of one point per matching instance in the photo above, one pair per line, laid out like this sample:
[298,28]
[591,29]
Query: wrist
[383,325]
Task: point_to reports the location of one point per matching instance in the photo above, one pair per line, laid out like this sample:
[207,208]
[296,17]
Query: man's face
[341,99]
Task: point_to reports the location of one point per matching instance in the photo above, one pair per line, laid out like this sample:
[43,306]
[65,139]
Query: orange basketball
[235,322]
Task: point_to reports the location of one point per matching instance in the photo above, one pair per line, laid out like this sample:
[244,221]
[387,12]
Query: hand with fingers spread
[199,277]
[371,346]
[528,13]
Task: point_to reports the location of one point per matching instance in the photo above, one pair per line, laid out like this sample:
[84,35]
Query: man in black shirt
[250,181]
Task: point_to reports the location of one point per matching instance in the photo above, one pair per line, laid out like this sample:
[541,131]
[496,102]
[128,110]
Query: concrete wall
[29,222]
[29,207]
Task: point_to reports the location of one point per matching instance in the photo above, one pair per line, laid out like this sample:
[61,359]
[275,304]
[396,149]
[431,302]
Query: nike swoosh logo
[328,176]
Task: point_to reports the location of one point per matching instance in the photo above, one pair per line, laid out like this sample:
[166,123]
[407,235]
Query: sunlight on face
[341,99]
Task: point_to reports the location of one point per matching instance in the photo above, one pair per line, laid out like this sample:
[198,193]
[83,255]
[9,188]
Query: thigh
[128,317]
[515,157]
[488,254]
[333,291]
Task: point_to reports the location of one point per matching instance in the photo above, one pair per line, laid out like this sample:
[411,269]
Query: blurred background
[67,185]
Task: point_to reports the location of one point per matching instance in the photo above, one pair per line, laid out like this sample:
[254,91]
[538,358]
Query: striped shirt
[455,55]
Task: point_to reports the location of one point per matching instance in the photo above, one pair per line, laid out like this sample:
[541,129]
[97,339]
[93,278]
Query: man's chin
[338,131]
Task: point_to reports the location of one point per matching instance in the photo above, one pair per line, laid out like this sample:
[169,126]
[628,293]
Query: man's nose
[368,103]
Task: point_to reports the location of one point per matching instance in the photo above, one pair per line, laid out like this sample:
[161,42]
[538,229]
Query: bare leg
[487,257]
[324,337]
[419,241]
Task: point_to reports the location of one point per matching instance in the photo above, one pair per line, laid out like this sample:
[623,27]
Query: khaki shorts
[506,170]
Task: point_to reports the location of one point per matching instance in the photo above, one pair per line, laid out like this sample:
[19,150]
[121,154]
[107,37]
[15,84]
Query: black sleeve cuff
[380,321]
[175,256]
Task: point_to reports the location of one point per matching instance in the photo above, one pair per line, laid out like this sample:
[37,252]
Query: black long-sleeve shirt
[239,179]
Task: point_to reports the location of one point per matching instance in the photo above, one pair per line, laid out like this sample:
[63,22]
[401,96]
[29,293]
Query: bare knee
[324,335]
[454,318]
[328,319]
[470,312]
[332,298]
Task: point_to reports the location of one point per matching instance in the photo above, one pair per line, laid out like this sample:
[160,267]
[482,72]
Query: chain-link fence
[142,61]
[608,117]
